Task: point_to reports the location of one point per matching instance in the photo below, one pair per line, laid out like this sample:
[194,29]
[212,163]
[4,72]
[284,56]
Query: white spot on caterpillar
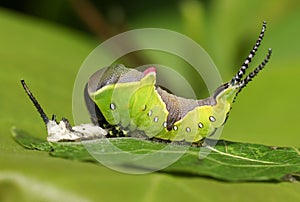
[212,119]
[165,124]
[155,119]
[112,106]
[200,125]
[175,128]
[188,129]
[150,113]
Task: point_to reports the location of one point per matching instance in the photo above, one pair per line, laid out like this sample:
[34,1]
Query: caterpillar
[126,102]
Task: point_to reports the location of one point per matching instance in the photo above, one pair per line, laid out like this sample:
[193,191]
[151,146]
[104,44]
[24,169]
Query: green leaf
[227,161]
[49,55]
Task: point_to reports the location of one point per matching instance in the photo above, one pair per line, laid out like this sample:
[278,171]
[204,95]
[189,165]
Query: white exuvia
[58,132]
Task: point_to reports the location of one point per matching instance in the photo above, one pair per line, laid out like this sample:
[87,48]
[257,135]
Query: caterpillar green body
[126,101]
[122,98]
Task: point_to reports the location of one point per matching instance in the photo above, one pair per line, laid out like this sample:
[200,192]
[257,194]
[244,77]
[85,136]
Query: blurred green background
[45,42]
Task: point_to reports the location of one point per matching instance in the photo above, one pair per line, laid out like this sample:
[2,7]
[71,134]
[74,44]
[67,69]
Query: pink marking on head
[149,71]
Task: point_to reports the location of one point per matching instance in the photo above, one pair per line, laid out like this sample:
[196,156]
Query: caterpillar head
[228,91]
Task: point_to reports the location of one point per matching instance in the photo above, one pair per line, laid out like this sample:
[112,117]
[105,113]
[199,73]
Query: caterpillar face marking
[141,105]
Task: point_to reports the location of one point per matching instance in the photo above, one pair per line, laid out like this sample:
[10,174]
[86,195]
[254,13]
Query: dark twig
[96,23]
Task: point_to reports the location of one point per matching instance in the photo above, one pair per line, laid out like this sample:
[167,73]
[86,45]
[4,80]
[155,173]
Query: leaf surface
[227,161]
